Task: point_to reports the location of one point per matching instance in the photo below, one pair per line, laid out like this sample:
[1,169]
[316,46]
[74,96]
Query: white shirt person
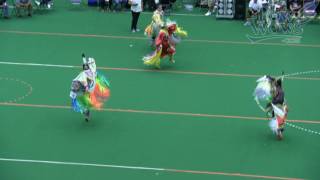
[136,8]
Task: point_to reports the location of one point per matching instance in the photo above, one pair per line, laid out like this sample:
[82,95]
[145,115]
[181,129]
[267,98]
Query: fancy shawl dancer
[269,92]
[169,35]
[90,89]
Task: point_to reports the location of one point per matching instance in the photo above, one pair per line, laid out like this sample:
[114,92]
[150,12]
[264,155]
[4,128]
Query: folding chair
[309,8]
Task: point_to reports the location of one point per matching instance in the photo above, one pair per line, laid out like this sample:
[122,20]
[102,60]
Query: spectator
[281,22]
[211,7]
[5,8]
[119,4]
[167,4]
[255,7]
[295,7]
[24,4]
[150,4]
[136,8]
[44,3]
[265,5]
[104,5]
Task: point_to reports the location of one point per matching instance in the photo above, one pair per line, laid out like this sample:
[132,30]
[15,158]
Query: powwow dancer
[153,29]
[269,92]
[90,89]
[169,35]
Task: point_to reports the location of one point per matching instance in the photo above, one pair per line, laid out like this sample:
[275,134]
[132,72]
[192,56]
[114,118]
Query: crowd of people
[268,10]
[23,7]
[120,5]
[278,14]
[26,7]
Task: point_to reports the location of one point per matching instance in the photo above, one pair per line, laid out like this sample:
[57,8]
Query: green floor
[147,130]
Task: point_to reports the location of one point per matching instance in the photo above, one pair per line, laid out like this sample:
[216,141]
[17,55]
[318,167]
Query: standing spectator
[24,4]
[136,8]
[5,8]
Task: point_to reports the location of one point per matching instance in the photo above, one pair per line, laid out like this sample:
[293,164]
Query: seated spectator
[24,4]
[282,16]
[265,5]
[119,4]
[44,3]
[212,6]
[167,4]
[295,7]
[5,8]
[255,8]
[150,4]
[105,5]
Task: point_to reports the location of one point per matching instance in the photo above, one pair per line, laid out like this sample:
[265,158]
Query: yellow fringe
[154,59]
[148,30]
[180,32]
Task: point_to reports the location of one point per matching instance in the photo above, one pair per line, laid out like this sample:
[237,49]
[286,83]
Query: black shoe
[87,115]
[279,135]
